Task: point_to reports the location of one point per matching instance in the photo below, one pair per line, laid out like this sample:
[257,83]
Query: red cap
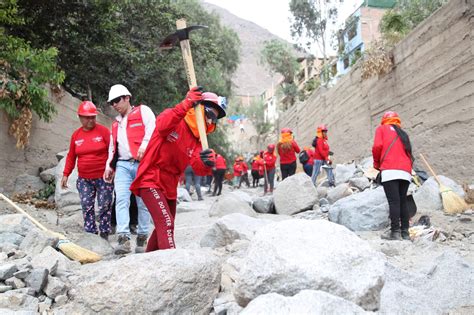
[286,130]
[87,108]
[271,147]
[323,127]
[390,114]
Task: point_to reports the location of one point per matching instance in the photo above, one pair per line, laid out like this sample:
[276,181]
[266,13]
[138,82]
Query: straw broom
[68,248]
[452,203]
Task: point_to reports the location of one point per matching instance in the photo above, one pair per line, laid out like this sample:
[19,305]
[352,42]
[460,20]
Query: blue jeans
[125,173]
[316,169]
[308,169]
[193,178]
[271,178]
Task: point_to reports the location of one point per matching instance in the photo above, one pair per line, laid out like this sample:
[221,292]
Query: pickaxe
[182,36]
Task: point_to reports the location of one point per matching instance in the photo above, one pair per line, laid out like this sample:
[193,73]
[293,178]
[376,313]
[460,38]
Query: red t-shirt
[288,156]
[91,150]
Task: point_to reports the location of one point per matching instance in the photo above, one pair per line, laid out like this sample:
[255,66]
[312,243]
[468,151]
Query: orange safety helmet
[390,114]
[323,127]
[286,130]
[87,108]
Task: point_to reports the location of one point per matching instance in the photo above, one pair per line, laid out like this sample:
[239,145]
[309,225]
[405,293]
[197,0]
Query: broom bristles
[452,202]
[77,253]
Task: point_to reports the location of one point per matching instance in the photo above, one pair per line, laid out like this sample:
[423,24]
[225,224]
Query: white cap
[118,90]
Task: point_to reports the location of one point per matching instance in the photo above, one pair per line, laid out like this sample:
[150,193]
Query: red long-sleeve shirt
[90,148]
[397,158]
[220,162]
[172,147]
[269,160]
[321,152]
[288,156]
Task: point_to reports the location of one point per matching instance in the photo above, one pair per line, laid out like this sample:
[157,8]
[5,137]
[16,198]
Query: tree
[310,21]
[24,71]
[256,114]
[280,59]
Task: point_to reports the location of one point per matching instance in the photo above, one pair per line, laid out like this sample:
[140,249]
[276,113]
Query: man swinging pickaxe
[182,35]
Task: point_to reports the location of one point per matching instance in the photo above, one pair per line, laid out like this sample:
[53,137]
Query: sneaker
[133,229]
[392,235]
[123,246]
[406,235]
[200,199]
[141,243]
[104,235]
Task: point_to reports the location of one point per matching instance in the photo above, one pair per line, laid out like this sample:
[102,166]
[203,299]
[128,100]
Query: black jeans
[218,179]
[244,178]
[287,170]
[396,192]
[255,177]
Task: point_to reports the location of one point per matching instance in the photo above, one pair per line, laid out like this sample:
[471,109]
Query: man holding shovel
[175,144]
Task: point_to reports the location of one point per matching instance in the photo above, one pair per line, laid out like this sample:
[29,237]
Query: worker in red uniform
[219,173]
[255,170]
[238,169]
[321,155]
[89,145]
[174,145]
[268,161]
[287,149]
[245,173]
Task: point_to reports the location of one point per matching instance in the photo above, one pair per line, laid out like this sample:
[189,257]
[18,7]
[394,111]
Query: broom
[452,203]
[69,249]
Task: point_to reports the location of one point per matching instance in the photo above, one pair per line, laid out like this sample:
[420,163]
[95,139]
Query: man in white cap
[131,132]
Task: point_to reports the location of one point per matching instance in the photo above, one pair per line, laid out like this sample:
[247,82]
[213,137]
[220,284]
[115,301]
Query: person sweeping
[393,158]
[174,145]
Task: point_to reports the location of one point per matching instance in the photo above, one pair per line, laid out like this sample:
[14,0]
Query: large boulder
[295,194]
[305,302]
[428,197]
[366,211]
[243,196]
[232,227]
[94,243]
[27,182]
[360,183]
[264,204]
[66,199]
[48,175]
[167,281]
[294,255]
[227,204]
[339,192]
[344,172]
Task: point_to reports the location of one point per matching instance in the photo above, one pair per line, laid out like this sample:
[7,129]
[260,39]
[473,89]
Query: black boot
[392,235]
[405,234]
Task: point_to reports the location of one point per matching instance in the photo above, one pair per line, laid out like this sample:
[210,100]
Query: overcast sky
[273,14]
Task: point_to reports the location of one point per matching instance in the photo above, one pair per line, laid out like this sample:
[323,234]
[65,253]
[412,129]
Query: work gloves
[208,157]
[193,96]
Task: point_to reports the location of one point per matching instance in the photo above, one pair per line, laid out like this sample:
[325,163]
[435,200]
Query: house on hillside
[361,28]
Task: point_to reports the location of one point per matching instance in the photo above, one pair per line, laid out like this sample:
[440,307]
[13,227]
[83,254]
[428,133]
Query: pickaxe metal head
[176,37]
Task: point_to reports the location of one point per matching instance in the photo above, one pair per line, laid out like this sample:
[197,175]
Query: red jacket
[269,159]
[255,165]
[288,156]
[245,167]
[396,158]
[321,152]
[91,150]
[172,147]
[135,131]
[238,169]
[220,162]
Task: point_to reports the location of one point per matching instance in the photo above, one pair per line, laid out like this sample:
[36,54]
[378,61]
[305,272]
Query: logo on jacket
[172,137]
[136,125]
[79,142]
[97,139]
[190,152]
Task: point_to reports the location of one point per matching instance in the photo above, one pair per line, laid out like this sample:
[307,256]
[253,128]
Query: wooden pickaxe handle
[191,76]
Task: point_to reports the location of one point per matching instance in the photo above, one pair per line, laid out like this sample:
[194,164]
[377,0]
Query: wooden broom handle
[191,76]
[41,226]
[429,167]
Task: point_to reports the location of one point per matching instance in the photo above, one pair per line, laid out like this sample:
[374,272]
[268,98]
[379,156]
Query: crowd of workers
[147,156]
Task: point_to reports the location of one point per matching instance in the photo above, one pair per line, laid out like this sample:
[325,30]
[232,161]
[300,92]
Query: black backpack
[303,157]
[315,142]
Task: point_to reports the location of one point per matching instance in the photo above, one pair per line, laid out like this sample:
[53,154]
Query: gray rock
[167,281]
[27,182]
[225,304]
[322,192]
[344,172]
[21,274]
[18,300]
[227,204]
[428,197]
[339,192]
[61,155]
[12,238]
[323,202]
[37,279]
[94,243]
[15,283]
[3,256]
[309,215]
[230,228]
[295,194]
[366,211]
[15,223]
[66,199]
[360,183]
[56,263]
[7,271]
[264,204]
[183,195]
[242,196]
[305,302]
[61,300]
[316,255]
[45,305]
[367,163]
[54,287]
[36,241]
[5,288]
[48,175]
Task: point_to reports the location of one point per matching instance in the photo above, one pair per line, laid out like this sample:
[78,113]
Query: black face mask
[210,114]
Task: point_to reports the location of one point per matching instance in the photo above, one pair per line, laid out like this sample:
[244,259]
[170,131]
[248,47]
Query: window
[352,31]
[346,62]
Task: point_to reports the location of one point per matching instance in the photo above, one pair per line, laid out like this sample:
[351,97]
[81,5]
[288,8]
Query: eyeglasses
[115,100]
[210,114]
